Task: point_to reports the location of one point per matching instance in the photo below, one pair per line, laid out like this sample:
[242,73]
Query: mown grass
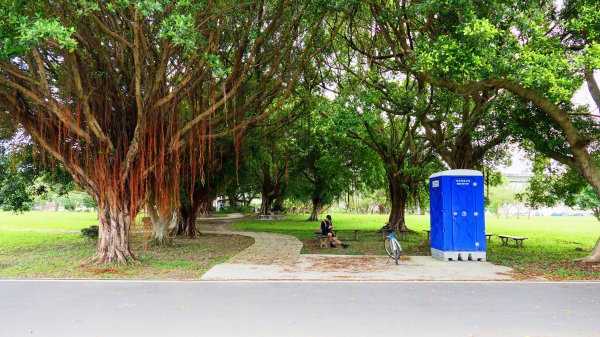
[552,245]
[29,249]
[47,220]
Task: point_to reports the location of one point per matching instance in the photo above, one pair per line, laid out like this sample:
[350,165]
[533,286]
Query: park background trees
[168,104]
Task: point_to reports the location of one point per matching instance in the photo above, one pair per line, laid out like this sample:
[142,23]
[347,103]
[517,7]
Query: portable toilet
[457,216]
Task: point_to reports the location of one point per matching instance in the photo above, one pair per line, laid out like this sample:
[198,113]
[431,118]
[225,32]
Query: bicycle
[392,247]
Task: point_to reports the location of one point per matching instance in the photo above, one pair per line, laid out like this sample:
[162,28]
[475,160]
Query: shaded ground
[32,254]
[362,268]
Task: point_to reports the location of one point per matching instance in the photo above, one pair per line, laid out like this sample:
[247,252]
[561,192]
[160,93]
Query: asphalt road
[171,309]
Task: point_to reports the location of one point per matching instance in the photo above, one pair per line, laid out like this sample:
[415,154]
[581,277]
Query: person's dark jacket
[325,227]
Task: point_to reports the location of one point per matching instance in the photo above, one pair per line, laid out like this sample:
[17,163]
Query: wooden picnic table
[518,239]
[356,232]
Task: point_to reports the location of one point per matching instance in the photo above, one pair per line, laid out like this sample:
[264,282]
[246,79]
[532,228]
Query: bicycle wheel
[396,255]
[397,251]
[398,246]
[387,244]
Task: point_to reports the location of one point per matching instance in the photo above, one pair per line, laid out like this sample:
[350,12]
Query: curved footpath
[268,248]
[277,257]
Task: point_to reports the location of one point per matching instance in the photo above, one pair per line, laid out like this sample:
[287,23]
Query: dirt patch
[358,264]
[99,271]
[557,271]
[521,275]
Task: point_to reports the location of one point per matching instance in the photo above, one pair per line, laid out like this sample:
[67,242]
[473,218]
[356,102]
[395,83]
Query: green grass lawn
[553,241]
[28,249]
[47,220]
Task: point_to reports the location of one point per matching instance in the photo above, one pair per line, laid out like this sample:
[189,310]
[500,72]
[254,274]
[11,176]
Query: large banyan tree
[117,91]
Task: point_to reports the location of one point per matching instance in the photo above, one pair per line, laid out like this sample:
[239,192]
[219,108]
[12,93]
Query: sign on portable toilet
[457,216]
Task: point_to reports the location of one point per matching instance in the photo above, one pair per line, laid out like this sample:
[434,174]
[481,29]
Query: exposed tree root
[594,256]
[118,258]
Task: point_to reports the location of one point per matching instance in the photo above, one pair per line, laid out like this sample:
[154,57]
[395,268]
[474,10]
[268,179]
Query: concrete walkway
[277,257]
[361,268]
[268,248]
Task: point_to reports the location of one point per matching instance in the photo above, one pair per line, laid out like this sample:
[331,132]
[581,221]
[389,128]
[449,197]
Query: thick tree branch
[84,103]
[110,32]
[49,105]
[593,86]
[134,147]
[577,145]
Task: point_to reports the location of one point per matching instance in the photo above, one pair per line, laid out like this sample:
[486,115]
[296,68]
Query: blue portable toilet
[457,215]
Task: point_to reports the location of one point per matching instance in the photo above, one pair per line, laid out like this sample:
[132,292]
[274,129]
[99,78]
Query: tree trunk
[462,155]
[161,223]
[188,212]
[278,204]
[113,234]
[398,214]
[316,210]
[398,198]
[272,190]
[206,207]
[160,232]
[232,200]
[186,224]
[594,256]
[266,203]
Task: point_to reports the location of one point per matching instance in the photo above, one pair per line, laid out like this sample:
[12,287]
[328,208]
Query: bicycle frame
[394,243]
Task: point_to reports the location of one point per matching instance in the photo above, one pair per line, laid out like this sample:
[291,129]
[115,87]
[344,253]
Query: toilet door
[464,216]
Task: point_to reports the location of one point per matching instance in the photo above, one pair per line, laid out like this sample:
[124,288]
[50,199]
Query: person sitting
[326,227]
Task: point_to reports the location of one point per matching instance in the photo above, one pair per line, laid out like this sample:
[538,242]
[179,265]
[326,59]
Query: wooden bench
[356,232]
[322,240]
[518,239]
[428,234]
[488,236]
[271,217]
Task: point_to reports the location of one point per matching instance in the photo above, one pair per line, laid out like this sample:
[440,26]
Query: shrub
[237,209]
[69,204]
[89,202]
[90,232]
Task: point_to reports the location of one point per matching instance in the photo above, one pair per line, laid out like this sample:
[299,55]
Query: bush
[89,202]
[69,204]
[237,209]
[90,232]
